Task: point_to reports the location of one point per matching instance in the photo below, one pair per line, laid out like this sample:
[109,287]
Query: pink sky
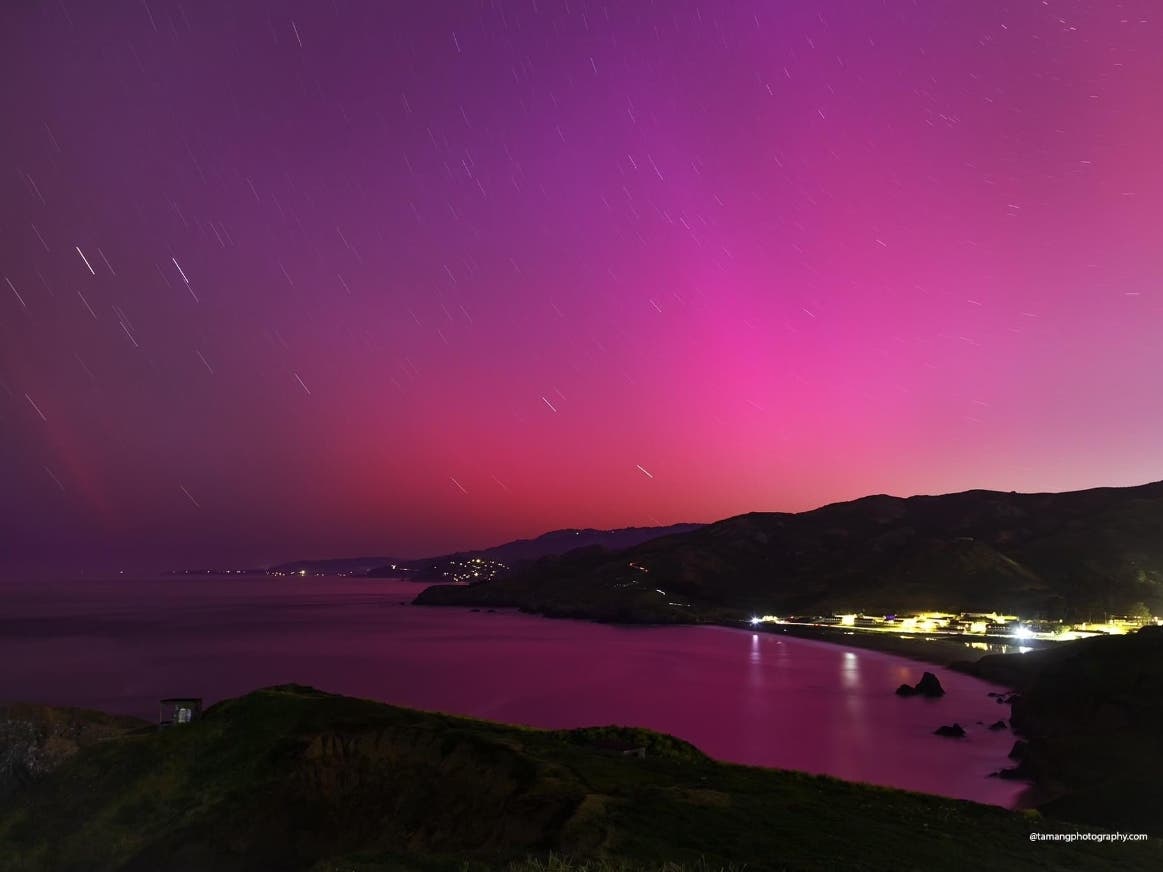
[454,275]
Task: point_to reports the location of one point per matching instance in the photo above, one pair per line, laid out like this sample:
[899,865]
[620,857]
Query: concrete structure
[179,710]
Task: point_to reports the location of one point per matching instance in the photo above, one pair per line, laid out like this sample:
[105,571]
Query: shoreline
[924,651]
[1034,793]
[944,653]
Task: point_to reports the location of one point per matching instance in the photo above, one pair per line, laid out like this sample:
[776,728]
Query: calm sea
[121,644]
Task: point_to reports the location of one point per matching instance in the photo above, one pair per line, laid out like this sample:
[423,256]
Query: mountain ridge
[511,552]
[1072,553]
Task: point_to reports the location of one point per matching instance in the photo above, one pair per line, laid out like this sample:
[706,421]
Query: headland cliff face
[36,739]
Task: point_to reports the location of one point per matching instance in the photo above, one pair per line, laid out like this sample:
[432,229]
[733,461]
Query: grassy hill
[35,739]
[1075,554]
[290,778]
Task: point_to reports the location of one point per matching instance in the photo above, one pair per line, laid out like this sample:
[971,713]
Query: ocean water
[122,644]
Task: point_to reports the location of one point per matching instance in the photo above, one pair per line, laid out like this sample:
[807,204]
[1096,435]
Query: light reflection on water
[745,697]
[996,648]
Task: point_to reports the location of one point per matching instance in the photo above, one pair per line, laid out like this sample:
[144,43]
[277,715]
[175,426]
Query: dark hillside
[1081,554]
[1091,714]
[290,778]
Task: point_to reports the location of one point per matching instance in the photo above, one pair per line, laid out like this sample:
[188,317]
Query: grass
[291,778]
[549,863]
[554,863]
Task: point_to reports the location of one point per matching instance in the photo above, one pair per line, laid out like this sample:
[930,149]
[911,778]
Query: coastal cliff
[292,778]
[36,739]
[295,779]
[1090,714]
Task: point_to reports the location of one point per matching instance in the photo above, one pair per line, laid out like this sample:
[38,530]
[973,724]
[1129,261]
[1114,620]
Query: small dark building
[179,710]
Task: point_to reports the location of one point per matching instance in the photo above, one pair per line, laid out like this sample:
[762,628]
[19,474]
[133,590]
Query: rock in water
[929,686]
[953,732]
[997,725]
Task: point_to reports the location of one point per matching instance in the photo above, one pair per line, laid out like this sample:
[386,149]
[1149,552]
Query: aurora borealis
[310,279]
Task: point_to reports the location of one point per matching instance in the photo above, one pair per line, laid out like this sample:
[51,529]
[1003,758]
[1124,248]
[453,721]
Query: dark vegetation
[1090,714]
[290,778]
[35,739]
[1078,555]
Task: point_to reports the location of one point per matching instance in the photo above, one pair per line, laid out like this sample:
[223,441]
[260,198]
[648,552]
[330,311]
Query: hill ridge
[1065,554]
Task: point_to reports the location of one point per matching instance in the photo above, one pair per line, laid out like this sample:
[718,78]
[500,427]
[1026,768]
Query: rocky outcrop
[928,686]
[1015,773]
[35,739]
[1089,714]
[951,731]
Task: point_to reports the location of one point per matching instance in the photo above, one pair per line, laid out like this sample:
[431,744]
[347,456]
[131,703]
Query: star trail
[309,279]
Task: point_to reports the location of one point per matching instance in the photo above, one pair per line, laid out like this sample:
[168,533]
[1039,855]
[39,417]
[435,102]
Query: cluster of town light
[474,569]
[980,624]
[302,573]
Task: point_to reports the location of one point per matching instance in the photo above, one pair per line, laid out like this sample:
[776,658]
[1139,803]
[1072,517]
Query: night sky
[308,279]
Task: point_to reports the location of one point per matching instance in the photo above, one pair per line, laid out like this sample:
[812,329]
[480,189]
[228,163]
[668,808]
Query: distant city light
[964,624]
[473,569]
